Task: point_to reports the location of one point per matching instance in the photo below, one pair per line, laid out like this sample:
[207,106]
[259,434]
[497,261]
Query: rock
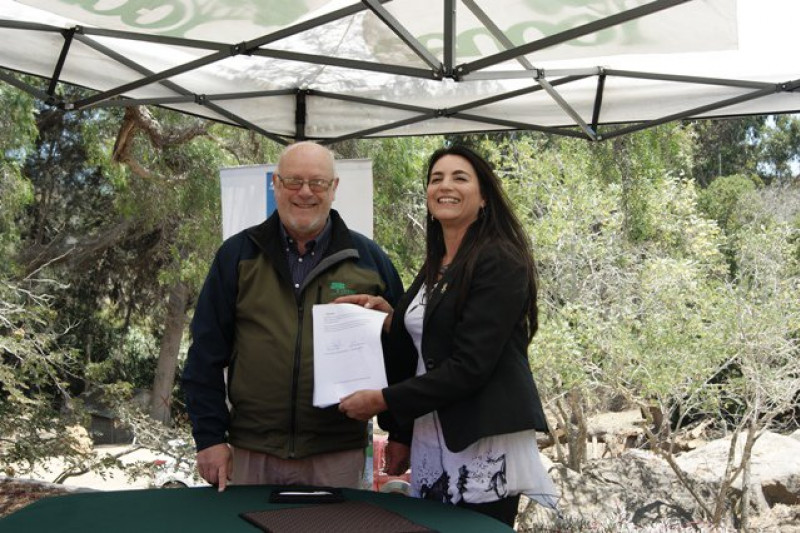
[637,484]
[81,441]
[775,466]
[783,518]
[641,488]
[622,422]
[611,433]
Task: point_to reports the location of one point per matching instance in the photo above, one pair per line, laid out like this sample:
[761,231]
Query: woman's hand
[363,405]
[369,301]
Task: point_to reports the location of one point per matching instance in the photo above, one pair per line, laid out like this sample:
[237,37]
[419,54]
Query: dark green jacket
[249,320]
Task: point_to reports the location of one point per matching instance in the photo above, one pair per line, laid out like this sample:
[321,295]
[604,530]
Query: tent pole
[244,123]
[163,75]
[564,105]
[513,94]
[745,84]
[68,34]
[521,126]
[88,41]
[300,115]
[574,33]
[378,129]
[598,100]
[696,111]
[791,86]
[33,91]
[449,36]
[289,55]
[405,35]
[190,98]
[536,74]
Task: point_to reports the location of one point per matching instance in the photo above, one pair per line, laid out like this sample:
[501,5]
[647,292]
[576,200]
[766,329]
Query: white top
[490,469]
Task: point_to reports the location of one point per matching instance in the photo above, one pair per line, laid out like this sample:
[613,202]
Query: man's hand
[397,457]
[363,405]
[215,465]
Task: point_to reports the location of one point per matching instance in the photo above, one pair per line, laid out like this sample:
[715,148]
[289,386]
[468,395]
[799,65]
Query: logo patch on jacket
[339,288]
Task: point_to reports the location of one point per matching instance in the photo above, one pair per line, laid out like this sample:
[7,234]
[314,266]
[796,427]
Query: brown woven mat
[345,517]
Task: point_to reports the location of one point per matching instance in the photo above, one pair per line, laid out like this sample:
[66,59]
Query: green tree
[725,147]
[170,183]
[17,133]
[398,170]
[765,145]
[637,297]
[35,367]
[126,213]
[779,147]
[719,201]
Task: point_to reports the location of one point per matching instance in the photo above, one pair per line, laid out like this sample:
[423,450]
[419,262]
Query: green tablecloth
[204,509]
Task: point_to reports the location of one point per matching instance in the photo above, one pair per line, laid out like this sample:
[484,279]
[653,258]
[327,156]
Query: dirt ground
[16,494]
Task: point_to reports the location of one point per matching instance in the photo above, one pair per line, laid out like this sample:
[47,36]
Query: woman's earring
[433,218]
[482,211]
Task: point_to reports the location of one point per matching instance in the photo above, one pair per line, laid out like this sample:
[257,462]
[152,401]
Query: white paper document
[347,351]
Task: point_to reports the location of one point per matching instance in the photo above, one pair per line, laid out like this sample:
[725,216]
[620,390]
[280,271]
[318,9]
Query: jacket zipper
[298,345]
[296,372]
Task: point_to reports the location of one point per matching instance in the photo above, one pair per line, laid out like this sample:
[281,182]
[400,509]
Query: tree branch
[67,249]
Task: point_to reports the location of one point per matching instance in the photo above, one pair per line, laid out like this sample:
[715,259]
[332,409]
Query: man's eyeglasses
[295,184]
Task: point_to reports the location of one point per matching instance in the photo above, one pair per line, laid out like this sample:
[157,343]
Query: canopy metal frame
[540,79]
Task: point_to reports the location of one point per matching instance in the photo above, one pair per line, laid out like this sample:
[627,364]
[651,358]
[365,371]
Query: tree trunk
[578,438]
[747,463]
[161,399]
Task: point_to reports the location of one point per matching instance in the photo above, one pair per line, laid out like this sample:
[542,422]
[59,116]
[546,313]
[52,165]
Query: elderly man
[253,317]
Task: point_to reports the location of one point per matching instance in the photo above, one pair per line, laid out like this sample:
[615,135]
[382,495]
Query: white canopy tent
[331,70]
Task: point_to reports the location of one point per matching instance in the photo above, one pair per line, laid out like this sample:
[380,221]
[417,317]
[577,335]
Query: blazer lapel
[438,293]
[405,299]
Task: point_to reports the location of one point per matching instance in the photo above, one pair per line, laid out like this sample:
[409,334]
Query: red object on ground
[379,475]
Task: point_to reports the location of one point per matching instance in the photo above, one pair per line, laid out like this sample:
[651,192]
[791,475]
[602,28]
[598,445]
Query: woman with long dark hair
[460,386]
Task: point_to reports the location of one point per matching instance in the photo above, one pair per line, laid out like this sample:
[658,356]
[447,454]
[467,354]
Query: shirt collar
[320,242]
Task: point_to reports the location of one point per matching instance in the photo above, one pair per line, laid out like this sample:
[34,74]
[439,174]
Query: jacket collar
[267,236]
[438,293]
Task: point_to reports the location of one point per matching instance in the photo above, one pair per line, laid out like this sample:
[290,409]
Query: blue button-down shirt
[301,265]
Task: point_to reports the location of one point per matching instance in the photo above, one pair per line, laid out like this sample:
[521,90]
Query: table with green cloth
[204,509]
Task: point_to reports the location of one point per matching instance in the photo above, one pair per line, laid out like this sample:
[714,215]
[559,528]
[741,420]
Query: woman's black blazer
[477,373]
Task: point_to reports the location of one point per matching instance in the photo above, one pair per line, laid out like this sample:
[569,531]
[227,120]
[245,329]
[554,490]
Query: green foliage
[779,147]
[622,310]
[767,146]
[131,360]
[719,201]
[761,314]
[639,163]
[17,132]
[726,147]
[17,126]
[36,409]
[398,169]
[575,224]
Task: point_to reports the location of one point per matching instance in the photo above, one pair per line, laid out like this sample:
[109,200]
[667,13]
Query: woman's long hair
[496,227]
